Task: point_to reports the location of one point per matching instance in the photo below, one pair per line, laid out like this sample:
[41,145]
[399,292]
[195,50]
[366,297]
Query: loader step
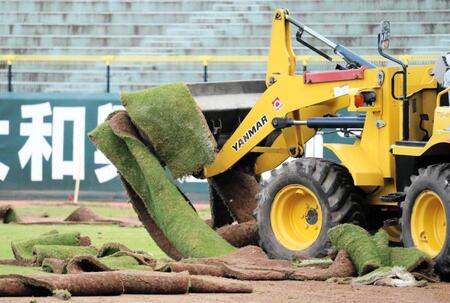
[394,197]
[411,143]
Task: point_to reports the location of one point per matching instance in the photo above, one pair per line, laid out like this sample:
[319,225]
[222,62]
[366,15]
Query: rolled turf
[357,242]
[23,250]
[171,120]
[116,283]
[56,266]
[7,214]
[62,252]
[108,249]
[371,252]
[117,152]
[190,235]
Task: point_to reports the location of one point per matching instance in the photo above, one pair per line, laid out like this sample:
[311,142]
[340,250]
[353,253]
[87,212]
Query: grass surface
[23,250]
[134,238]
[20,270]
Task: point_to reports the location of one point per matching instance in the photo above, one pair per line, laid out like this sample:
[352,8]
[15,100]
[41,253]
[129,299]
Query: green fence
[44,147]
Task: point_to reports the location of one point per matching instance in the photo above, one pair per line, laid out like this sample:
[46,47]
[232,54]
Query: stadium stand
[178,27]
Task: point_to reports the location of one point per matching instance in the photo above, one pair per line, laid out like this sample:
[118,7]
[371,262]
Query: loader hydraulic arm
[281,56]
[353,60]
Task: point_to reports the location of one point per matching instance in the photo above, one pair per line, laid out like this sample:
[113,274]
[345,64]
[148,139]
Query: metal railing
[109,60]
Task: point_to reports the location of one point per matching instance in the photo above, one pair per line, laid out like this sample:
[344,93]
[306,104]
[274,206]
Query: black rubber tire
[435,178]
[220,215]
[340,200]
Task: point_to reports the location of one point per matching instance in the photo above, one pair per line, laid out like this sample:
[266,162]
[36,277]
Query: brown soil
[53,265]
[82,214]
[116,283]
[247,263]
[80,264]
[286,291]
[86,216]
[251,263]
[208,284]
[240,235]
[154,282]
[193,269]
[237,190]
[220,214]
[86,284]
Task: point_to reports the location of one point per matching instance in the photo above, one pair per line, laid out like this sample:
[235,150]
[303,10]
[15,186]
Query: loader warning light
[366,98]
[359,100]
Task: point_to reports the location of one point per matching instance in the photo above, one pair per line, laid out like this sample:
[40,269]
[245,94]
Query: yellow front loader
[395,175]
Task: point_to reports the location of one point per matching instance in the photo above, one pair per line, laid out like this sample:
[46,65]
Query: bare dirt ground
[286,291]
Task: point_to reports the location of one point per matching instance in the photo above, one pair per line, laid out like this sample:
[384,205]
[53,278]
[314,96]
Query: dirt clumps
[237,190]
[82,214]
[240,235]
[252,264]
[247,263]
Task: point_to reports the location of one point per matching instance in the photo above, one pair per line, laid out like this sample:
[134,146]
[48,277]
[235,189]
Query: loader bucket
[225,105]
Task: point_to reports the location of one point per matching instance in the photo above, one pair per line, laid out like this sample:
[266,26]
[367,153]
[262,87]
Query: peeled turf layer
[170,119]
[23,250]
[190,235]
[61,252]
[372,252]
[357,242]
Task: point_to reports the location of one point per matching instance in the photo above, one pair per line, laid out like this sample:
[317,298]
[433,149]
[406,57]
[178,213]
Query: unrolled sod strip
[371,252]
[118,153]
[180,224]
[62,252]
[23,250]
[149,223]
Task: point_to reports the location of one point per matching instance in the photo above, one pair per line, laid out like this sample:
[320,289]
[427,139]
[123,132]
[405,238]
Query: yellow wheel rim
[428,223]
[296,217]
